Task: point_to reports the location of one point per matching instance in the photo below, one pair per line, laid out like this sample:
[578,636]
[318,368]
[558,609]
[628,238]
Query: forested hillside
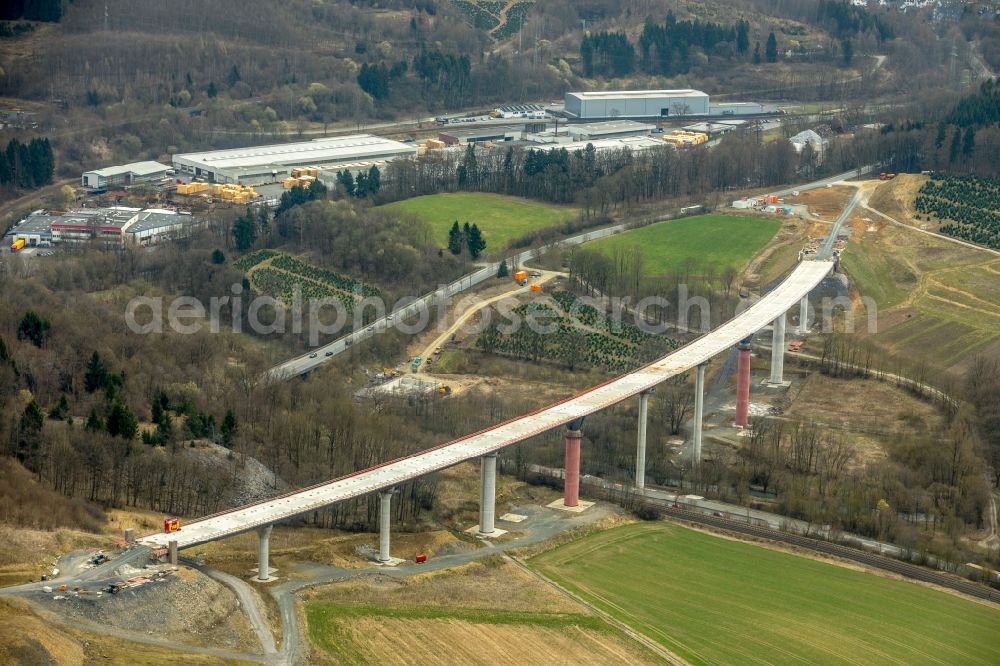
[117,81]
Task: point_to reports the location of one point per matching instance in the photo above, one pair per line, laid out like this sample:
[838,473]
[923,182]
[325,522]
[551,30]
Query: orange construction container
[773,199]
[521,275]
[536,287]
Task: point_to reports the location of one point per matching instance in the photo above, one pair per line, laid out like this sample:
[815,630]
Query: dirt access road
[475,308]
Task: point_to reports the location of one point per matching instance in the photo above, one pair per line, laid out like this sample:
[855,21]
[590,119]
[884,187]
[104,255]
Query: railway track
[881,562]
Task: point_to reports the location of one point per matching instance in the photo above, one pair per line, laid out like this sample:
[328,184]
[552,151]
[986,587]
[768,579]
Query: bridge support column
[385,515]
[640,452]
[172,552]
[488,493]
[778,351]
[699,410]
[743,383]
[804,315]
[571,496]
[263,553]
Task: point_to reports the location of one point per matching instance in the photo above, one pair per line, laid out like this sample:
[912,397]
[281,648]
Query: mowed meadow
[500,218]
[718,241]
[718,601]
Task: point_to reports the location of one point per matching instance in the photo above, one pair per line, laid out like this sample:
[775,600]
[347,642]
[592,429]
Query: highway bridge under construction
[382,478]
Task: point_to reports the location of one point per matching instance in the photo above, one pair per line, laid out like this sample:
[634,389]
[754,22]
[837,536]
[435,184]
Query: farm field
[500,218]
[716,601]
[706,240]
[485,612]
[931,294]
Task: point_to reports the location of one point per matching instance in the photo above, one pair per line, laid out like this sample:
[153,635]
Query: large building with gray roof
[269,164]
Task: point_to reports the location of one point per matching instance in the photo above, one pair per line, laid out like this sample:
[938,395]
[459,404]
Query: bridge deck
[798,284]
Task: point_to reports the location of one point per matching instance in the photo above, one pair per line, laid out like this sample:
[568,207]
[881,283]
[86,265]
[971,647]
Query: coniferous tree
[346,179]
[847,51]
[771,52]
[742,37]
[245,232]
[61,408]
[94,422]
[229,428]
[96,374]
[121,422]
[33,328]
[475,241]
[502,270]
[455,239]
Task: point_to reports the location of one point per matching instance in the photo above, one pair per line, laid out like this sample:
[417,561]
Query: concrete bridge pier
[743,382]
[778,352]
[699,410]
[640,452]
[571,494]
[488,494]
[263,553]
[803,315]
[385,516]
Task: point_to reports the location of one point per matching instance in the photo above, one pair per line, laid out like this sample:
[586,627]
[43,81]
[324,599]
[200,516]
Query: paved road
[309,361]
[304,363]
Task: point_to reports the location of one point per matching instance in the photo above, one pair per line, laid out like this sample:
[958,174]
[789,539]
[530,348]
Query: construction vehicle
[795,345]
[444,390]
[416,363]
[886,176]
[171,525]
[536,287]
[17,245]
[520,276]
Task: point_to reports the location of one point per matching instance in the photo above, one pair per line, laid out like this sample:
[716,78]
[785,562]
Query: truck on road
[17,245]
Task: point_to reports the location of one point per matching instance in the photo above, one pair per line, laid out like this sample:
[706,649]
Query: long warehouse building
[269,164]
[636,103]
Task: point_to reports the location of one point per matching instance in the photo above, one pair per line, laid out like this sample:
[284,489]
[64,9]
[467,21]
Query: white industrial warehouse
[126,174]
[636,103]
[268,164]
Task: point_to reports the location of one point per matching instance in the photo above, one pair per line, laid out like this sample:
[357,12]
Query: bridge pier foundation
[385,515]
[743,383]
[640,452]
[263,554]
[488,494]
[699,411]
[571,494]
[778,352]
[172,552]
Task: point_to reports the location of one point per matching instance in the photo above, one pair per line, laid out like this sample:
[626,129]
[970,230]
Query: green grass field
[877,275]
[500,218]
[715,601]
[708,240]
